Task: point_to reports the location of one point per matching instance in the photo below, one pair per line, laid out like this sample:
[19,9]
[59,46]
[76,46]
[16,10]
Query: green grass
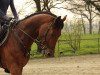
[83,36]
[86,47]
[90,36]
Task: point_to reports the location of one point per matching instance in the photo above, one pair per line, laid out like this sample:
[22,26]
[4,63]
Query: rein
[27,51]
[26,34]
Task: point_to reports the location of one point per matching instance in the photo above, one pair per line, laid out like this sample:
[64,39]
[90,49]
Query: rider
[4,4]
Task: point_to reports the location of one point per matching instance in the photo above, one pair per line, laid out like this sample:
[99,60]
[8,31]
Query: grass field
[88,45]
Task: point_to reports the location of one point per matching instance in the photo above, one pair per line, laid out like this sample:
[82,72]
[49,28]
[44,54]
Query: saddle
[4,29]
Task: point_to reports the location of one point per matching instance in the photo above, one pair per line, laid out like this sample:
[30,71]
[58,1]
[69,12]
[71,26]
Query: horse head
[44,27]
[49,35]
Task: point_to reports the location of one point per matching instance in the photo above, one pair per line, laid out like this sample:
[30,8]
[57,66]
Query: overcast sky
[27,9]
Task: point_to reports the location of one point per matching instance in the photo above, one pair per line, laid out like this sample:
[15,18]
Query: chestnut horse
[15,52]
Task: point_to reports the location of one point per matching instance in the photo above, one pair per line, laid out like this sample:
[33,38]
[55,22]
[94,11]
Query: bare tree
[95,3]
[99,28]
[81,8]
[38,5]
[46,5]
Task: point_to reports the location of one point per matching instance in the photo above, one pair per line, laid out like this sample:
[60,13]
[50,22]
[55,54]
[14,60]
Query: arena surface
[70,65]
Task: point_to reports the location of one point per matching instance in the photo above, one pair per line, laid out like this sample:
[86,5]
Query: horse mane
[59,23]
[49,13]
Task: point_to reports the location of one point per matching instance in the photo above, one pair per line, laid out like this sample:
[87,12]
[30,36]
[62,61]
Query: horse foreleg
[16,70]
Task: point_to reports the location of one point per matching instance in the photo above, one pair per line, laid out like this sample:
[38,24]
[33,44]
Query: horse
[15,52]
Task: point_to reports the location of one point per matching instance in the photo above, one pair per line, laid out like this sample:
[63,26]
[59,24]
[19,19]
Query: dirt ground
[73,65]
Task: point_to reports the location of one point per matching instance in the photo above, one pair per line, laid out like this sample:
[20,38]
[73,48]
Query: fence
[87,46]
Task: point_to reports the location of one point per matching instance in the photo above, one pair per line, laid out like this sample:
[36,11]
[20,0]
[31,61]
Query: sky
[27,9]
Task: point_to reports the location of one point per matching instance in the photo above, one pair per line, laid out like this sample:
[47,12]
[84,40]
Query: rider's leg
[3,16]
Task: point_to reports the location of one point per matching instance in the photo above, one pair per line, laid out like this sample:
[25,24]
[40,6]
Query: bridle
[43,43]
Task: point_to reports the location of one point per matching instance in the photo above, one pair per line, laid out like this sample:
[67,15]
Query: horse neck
[31,27]
[25,29]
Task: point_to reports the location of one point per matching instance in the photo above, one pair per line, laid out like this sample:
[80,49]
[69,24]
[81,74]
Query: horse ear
[58,22]
[58,18]
[64,18]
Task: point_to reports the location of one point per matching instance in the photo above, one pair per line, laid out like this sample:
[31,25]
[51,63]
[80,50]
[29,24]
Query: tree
[95,3]
[46,5]
[38,5]
[73,33]
[42,5]
[81,8]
